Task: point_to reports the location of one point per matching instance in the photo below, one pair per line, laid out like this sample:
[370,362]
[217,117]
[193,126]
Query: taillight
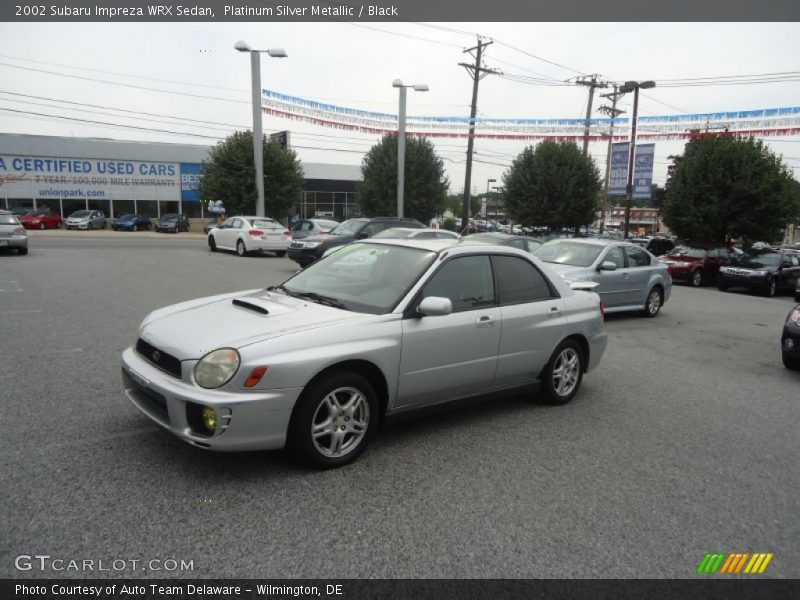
[287,232]
[602,309]
[19,230]
[255,232]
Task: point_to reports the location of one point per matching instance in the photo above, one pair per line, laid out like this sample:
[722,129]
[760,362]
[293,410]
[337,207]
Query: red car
[697,264]
[41,220]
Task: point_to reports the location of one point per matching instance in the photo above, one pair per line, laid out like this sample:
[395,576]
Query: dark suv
[766,271]
[307,250]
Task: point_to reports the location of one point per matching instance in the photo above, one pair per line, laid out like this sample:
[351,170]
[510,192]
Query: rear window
[8,220]
[266,224]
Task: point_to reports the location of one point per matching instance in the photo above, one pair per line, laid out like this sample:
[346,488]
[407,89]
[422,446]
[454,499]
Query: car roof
[432,244]
[591,241]
[251,217]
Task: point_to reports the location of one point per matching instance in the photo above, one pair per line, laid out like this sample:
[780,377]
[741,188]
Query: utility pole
[591,82]
[477,73]
[613,112]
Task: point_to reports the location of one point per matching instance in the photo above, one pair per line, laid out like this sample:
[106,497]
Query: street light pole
[632,86]
[401,140]
[488,182]
[258,135]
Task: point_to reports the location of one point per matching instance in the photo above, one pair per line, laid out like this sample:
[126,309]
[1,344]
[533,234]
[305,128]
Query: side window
[236,224]
[373,228]
[519,281]
[520,244]
[532,246]
[615,255]
[467,281]
[227,224]
[637,257]
[426,235]
[306,226]
[795,260]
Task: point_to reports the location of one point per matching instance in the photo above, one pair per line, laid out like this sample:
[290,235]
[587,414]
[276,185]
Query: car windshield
[169,217]
[348,228]
[125,217]
[688,252]
[370,278]
[81,214]
[760,259]
[8,220]
[326,224]
[266,224]
[564,252]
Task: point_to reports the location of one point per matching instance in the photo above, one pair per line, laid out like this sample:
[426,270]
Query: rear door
[455,355]
[533,320]
[639,272]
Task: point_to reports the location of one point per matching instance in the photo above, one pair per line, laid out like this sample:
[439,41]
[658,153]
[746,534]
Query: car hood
[192,329]
[570,271]
[679,258]
[327,237]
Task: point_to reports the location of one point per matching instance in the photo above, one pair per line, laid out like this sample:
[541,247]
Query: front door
[451,356]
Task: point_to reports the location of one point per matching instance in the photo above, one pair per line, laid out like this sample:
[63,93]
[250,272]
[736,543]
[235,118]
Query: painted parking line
[10,286]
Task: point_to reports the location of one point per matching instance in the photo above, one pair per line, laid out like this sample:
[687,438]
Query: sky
[354,65]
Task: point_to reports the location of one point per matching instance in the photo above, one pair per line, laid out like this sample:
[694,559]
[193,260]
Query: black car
[172,222]
[212,224]
[767,271]
[503,239]
[790,340]
[306,251]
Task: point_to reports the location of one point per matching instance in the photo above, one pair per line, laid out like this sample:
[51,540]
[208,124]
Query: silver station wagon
[375,330]
[628,277]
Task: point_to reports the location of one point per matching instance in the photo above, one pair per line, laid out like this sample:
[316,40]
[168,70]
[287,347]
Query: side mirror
[435,306]
[607,266]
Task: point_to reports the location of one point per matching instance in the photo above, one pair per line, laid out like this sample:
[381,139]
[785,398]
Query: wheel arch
[367,369]
[584,345]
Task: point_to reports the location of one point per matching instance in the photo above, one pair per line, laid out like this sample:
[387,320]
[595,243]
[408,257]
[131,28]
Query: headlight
[216,368]
[724,270]
[794,316]
[310,244]
[760,273]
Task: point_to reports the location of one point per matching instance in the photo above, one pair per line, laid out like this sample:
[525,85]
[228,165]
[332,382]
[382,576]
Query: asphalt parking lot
[684,441]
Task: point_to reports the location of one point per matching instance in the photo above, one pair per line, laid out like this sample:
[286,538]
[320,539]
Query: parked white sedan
[378,329]
[247,234]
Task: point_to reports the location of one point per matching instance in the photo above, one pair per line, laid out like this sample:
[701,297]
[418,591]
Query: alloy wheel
[340,422]
[566,371]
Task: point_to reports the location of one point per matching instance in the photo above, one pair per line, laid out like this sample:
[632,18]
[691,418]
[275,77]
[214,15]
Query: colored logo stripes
[742,562]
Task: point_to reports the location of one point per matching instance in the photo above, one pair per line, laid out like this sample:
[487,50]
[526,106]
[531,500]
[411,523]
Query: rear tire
[22,251]
[280,253]
[212,243]
[697,278]
[41,226]
[240,248]
[334,420]
[136,227]
[563,374]
[652,305]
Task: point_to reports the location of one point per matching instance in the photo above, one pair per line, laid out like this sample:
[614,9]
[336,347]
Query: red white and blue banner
[758,122]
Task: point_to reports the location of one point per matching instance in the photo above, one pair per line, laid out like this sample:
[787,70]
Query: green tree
[724,188]
[455,202]
[229,175]
[425,182]
[553,185]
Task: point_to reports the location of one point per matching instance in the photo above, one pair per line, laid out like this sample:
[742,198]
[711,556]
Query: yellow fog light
[210,419]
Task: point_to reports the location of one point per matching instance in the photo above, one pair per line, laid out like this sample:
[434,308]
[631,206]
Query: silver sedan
[628,276]
[378,329]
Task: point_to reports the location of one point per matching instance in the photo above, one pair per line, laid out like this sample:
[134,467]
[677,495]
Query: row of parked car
[96,219]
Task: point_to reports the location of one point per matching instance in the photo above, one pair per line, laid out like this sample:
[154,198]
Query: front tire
[771,288]
[790,362]
[240,248]
[563,374]
[334,420]
[697,278]
[722,287]
[41,226]
[212,243]
[280,253]
[652,305]
[22,251]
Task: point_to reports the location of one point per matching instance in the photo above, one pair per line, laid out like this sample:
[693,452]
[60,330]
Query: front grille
[165,362]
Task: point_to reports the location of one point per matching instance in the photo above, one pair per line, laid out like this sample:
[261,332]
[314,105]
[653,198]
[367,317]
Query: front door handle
[484,321]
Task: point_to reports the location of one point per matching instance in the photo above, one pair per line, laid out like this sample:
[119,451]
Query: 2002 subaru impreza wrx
[374,330]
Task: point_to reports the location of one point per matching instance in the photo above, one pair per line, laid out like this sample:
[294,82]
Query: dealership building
[65,174]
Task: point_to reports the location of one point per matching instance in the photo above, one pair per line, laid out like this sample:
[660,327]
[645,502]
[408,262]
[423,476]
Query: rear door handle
[484,321]
[553,312]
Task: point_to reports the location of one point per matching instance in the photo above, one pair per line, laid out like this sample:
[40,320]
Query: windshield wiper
[327,300]
[280,288]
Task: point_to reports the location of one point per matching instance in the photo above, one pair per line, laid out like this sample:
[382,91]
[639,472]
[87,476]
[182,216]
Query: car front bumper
[791,331]
[303,256]
[256,420]
[750,282]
